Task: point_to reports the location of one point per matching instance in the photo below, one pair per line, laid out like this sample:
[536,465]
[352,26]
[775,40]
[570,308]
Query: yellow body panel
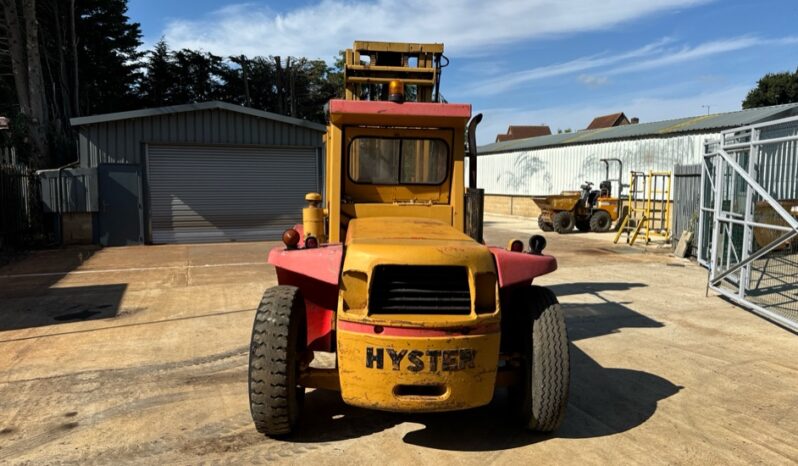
[414,241]
[334,183]
[441,213]
[468,378]
[461,371]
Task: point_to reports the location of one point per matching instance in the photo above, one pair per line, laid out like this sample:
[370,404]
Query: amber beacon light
[396,91]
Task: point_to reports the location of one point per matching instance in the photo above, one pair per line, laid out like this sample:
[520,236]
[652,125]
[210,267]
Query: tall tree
[157,84]
[197,76]
[67,58]
[22,31]
[108,55]
[773,89]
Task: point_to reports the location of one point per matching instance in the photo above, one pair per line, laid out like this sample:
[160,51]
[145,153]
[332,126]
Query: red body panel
[322,263]
[516,268]
[417,331]
[315,272]
[379,107]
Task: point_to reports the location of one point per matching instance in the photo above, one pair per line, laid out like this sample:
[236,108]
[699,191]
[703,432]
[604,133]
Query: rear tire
[544,225]
[278,340]
[600,221]
[546,364]
[563,222]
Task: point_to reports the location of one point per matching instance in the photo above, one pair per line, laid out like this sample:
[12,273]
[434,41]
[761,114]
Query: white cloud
[577,117]
[687,53]
[507,81]
[465,26]
[654,55]
[591,80]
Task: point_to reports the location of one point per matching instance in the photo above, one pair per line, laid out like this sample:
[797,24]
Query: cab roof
[349,112]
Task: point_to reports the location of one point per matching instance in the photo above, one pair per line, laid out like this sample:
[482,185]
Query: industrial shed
[200,172]
[511,171]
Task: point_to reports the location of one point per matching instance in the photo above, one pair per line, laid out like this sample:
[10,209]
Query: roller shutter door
[223,193]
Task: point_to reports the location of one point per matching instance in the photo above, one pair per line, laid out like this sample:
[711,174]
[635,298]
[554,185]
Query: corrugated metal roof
[705,123]
[213,105]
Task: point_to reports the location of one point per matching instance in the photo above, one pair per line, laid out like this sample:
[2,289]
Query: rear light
[311,242]
[485,290]
[290,238]
[515,245]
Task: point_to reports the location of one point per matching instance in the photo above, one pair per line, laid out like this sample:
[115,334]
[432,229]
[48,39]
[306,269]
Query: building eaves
[212,105]
[657,129]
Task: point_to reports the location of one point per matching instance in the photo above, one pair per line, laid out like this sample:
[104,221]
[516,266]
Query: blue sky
[522,62]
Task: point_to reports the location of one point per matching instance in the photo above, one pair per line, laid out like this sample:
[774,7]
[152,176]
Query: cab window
[394,161]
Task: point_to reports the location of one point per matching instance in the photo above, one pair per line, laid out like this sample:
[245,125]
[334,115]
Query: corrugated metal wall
[121,141]
[552,170]
[777,169]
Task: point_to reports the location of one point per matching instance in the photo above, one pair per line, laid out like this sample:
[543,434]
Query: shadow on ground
[62,305]
[589,320]
[603,401]
[29,298]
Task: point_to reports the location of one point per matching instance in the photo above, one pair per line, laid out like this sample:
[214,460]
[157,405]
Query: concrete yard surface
[139,355]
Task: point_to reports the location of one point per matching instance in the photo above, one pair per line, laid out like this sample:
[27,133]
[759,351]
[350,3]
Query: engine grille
[414,289]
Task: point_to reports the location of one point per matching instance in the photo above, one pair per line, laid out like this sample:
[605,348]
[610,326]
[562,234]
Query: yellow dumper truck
[389,273]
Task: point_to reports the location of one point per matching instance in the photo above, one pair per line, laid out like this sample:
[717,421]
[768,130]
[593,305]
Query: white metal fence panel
[749,218]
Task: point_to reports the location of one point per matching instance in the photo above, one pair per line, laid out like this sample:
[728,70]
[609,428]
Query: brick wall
[511,205]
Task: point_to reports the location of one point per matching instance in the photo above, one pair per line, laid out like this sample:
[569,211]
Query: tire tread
[550,363]
[276,322]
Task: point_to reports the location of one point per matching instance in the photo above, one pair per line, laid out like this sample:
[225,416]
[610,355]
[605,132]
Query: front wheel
[563,222]
[276,347]
[546,364]
[600,221]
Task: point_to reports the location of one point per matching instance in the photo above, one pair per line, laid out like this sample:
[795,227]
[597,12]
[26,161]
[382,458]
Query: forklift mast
[370,67]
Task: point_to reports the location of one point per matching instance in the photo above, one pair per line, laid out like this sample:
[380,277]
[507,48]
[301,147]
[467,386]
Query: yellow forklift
[389,272]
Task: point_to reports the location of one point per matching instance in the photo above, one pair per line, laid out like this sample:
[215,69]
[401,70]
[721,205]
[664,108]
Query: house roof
[657,129]
[607,121]
[521,132]
[212,105]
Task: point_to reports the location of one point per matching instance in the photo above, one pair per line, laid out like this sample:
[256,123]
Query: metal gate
[686,196]
[227,193]
[748,227]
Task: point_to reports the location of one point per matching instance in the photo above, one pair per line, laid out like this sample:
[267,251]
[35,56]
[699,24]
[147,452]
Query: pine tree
[157,83]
